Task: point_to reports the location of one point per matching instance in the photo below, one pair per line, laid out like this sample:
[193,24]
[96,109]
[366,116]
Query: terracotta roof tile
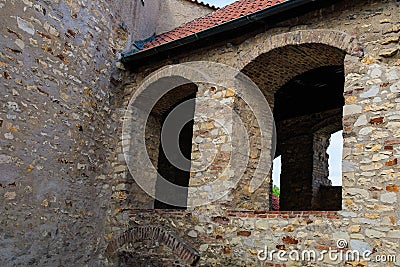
[201,3]
[233,11]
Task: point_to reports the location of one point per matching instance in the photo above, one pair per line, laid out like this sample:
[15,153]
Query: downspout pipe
[289,5]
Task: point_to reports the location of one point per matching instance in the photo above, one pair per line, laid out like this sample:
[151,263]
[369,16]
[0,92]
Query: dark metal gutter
[290,5]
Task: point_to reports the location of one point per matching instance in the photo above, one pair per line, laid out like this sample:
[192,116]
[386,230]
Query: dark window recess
[308,109]
[166,168]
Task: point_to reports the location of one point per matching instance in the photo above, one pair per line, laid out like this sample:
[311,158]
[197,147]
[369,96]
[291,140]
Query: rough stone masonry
[358,40]
[64,187]
[57,130]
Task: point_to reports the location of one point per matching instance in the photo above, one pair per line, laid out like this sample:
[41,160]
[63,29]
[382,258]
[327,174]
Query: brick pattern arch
[155,233]
[338,39]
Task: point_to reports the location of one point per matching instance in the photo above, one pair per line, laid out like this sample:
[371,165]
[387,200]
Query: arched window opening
[169,145]
[308,110]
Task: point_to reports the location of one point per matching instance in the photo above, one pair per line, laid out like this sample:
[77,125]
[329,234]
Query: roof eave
[132,56]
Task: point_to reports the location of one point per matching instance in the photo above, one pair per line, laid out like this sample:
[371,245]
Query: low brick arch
[154,233]
[338,39]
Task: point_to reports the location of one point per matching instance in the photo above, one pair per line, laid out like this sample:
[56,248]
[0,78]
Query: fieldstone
[357,236]
[10,195]
[120,66]
[389,52]
[4,159]
[236,241]
[366,130]
[25,26]
[348,166]
[350,99]
[351,109]
[198,140]
[394,234]
[192,233]
[376,73]
[248,242]
[13,106]
[371,215]
[230,92]
[81,166]
[368,174]
[120,187]
[371,233]
[101,177]
[393,75]
[393,29]
[248,225]
[120,168]
[362,120]
[370,222]
[359,246]
[54,31]
[301,235]
[388,220]
[357,191]
[341,235]
[371,92]
[374,148]
[33,42]
[368,60]
[288,228]
[394,117]
[20,44]
[395,88]
[378,157]
[210,229]
[392,39]
[381,208]
[377,100]
[9,136]
[348,214]
[354,228]
[203,247]
[390,197]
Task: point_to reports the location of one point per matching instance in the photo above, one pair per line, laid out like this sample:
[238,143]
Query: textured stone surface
[65,188]
[56,59]
[370,130]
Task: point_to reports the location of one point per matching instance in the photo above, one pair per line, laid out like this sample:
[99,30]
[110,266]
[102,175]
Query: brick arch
[337,39]
[154,233]
[273,61]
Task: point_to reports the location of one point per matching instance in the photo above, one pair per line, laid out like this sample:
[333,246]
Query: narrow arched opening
[169,132]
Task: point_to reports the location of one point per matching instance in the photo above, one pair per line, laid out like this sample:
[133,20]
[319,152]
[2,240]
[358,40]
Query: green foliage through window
[276,191]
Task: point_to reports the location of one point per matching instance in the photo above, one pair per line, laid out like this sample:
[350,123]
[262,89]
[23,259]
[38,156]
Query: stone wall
[174,13]
[144,18]
[57,129]
[368,33]
[139,18]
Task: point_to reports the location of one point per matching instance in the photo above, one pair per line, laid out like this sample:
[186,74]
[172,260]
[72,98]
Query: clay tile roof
[230,12]
[201,3]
